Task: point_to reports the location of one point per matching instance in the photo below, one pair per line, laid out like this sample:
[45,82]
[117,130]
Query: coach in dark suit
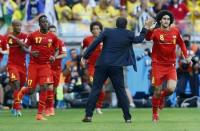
[117,52]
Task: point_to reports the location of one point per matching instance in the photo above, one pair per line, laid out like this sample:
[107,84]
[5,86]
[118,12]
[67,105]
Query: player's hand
[149,24]
[189,59]
[35,53]
[83,61]
[11,36]
[52,59]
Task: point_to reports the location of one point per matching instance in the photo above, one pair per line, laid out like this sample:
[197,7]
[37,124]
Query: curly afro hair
[163,13]
[96,23]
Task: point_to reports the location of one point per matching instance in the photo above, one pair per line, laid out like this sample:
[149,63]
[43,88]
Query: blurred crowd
[186,12]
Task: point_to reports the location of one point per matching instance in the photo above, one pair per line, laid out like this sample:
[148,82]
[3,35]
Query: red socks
[50,99]
[42,101]
[155,104]
[101,97]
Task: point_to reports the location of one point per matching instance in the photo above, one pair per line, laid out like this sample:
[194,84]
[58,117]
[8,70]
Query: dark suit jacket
[117,47]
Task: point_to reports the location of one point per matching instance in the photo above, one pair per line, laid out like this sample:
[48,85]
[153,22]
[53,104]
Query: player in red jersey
[165,39]
[16,63]
[56,70]
[95,28]
[39,70]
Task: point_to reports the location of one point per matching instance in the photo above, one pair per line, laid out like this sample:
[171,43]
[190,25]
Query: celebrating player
[39,70]
[95,28]
[16,63]
[165,39]
[56,70]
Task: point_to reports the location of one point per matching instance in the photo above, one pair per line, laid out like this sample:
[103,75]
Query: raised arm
[147,26]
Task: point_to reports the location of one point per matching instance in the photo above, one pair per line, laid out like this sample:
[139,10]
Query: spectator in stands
[131,21]
[9,7]
[142,12]
[180,12]
[82,12]
[64,12]
[194,8]
[130,5]
[159,5]
[105,13]
[20,10]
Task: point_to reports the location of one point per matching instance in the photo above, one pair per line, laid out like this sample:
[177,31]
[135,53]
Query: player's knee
[157,91]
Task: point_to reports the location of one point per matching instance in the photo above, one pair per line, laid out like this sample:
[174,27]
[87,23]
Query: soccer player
[16,62]
[39,70]
[56,70]
[165,39]
[95,28]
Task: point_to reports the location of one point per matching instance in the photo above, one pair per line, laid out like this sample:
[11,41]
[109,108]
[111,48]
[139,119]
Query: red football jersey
[86,43]
[62,49]
[164,47]
[42,43]
[16,53]
[3,45]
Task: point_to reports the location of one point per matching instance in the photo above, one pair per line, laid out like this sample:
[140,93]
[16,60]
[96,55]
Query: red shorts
[39,74]
[160,73]
[56,77]
[17,72]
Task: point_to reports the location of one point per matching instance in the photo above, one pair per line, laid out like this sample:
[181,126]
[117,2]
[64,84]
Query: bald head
[16,25]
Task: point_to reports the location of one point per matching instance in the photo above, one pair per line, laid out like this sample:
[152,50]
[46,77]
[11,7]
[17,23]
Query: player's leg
[31,81]
[171,78]
[156,102]
[156,81]
[50,101]
[99,103]
[171,85]
[100,76]
[117,78]
[15,84]
[51,92]
[45,80]
[22,74]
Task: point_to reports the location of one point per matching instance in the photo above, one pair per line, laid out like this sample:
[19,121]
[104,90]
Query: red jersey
[93,58]
[62,49]
[164,47]
[3,45]
[42,43]
[16,54]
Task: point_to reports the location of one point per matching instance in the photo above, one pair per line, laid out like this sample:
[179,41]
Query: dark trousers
[115,73]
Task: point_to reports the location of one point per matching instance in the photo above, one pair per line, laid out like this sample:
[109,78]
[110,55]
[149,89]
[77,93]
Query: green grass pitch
[171,119]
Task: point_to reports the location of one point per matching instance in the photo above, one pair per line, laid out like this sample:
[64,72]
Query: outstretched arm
[149,24]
